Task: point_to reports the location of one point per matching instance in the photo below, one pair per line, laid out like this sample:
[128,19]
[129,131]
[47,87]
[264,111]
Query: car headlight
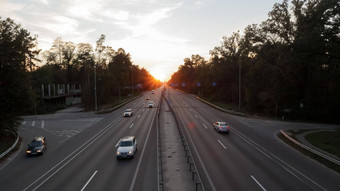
[130,152]
[117,153]
[38,151]
[28,151]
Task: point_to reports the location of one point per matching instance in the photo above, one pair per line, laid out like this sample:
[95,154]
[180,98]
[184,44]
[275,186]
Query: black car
[37,146]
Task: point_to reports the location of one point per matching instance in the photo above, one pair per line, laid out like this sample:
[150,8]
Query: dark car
[37,146]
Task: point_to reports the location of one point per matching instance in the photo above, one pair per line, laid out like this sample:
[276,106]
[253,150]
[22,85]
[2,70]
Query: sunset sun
[158,73]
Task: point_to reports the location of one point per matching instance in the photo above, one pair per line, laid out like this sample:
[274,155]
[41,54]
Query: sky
[158,34]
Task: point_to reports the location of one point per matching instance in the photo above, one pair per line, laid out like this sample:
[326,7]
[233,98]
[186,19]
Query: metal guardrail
[222,109]
[310,149]
[11,148]
[190,160]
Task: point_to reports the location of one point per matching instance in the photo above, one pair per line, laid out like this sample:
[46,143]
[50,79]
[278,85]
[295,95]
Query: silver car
[128,113]
[127,147]
[221,127]
[151,104]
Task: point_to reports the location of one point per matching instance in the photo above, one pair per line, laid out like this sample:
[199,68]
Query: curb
[310,149]
[11,148]
[221,109]
[117,106]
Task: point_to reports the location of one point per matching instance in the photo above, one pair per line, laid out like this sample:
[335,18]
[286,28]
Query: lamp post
[95,88]
[131,80]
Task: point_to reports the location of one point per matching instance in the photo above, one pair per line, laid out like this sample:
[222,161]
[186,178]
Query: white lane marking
[131,125]
[196,116]
[143,109]
[89,180]
[33,123]
[80,149]
[42,124]
[142,154]
[257,182]
[24,122]
[118,142]
[138,116]
[205,126]
[221,144]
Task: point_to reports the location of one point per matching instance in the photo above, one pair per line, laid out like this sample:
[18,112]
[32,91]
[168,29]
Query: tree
[16,95]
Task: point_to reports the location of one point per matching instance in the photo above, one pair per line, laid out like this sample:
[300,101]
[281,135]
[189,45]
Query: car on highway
[221,127]
[127,147]
[153,91]
[128,113]
[37,146]
[147,98]
[151,104]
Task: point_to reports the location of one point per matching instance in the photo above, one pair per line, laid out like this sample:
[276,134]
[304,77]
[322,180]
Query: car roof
[128,138]
[222,123]
[128,110]
[39,138]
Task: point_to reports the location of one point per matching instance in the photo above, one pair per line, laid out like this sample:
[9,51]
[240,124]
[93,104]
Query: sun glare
[158,73]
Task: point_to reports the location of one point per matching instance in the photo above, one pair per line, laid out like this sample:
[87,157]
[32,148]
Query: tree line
[287,66]
[24,68]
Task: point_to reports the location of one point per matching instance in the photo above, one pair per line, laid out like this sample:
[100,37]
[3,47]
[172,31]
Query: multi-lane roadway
[81,151]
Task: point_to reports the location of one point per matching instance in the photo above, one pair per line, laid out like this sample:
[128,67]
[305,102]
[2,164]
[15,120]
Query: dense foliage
[286,66]
[64,63]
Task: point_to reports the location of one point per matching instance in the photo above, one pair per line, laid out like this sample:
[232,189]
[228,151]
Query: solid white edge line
[100,133]
[89,180]
[138,116]
[222,144]
[141,157]
[42,124]
[118,142]
[196,116]
[257,182]
[205,126]
[131,125]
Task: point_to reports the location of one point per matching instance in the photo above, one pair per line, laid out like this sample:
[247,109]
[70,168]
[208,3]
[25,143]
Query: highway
[81,151]
[251,157]
[87,161]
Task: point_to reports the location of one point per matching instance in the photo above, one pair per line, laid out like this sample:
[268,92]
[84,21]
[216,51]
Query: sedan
[221,127]
[37,146]
[128,113]
[127,147]
[151,104]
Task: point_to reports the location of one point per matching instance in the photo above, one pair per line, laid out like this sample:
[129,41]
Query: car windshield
[36,143]
[126,143]
[128,110]
[223,124]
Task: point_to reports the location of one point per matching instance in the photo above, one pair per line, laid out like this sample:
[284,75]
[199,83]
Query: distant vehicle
[153,91]
[147,98]
[37,146]
[128,113]
[151,104]
[127,147]
[221,127]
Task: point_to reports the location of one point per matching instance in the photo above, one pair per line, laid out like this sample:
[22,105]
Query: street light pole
[95,88]
[131,80]
[239,87]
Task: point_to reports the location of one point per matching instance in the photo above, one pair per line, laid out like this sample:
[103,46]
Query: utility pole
[132,80]
[95,88]
[239,86]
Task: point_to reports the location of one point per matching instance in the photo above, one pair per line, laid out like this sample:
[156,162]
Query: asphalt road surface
[82,146]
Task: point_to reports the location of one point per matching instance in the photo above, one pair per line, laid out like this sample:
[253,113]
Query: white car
[128,113]
[221,127]
[127,147]
[151,104]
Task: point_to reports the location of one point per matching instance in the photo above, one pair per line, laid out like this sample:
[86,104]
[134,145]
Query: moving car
[127,147]
[128,113]
[221,127]
[151,104]
[37,146]
[153,91]
[147,98]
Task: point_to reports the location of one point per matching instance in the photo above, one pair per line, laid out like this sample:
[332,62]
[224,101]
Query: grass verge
[326,140]
[321,160]
[15,149]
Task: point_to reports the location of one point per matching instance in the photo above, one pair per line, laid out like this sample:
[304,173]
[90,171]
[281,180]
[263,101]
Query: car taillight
[221,127]
[228,127]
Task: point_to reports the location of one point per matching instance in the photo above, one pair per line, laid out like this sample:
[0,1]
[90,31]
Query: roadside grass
[220,104]
[326,140]
[321,160]
[15,149]
[6,141]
